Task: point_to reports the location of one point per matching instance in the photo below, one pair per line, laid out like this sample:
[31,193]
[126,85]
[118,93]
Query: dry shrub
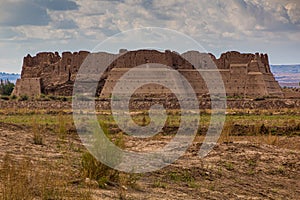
[37,136]
[226,132]
[271,139]
[105,175]
[15,183]
[21,180]
[264,135]
[95,170]
[62,126]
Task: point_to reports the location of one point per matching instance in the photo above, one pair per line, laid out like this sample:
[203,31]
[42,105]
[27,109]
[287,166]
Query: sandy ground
[242,169]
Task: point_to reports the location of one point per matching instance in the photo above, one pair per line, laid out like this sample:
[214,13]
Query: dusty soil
[243,169]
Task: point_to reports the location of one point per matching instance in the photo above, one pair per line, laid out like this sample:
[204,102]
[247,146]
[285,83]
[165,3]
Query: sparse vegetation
[62,126]
[227,130]
[6,87]
[22,180]
[37,135]
[159,184]
[183,176]
[229,166]
[23,98]
[70,172]
[95,170]
[13,97]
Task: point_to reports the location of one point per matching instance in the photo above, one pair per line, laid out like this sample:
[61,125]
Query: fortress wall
[235,86]
[253,66]
[52,69]
[272,86]
[162,77]
[136,58]
[255,84]
[232,57]
[28,87]
[65,69]
[200,60]
[243,74]
[196,81]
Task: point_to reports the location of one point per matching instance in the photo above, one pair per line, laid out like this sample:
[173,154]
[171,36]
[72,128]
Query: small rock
[91,183]
[124,187]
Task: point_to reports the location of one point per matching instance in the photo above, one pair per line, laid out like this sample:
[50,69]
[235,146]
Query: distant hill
[287,75]
[11,77]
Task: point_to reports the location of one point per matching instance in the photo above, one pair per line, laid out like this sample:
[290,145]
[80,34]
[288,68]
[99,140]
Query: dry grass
[37,135]
[95,170]
[24,180]
[21,180]
[225,136]
[271,139]
[62,126]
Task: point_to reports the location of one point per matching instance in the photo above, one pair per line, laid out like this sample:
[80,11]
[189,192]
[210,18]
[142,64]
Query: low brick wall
[140,104]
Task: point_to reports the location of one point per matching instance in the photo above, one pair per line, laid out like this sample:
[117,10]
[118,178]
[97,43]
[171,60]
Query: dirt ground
[246,168]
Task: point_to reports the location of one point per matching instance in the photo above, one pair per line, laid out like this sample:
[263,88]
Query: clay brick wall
[28,87]
[243,74]
[52,69]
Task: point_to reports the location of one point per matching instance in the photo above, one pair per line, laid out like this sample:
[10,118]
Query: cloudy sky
[31,26]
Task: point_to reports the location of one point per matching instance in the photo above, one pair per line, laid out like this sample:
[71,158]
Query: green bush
[13,97]
[264,129]
[23,98]
[6,87]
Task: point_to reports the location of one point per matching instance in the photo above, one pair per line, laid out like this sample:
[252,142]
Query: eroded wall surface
[244,75]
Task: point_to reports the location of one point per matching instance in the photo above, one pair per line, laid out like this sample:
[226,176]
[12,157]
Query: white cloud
[293,10]
[235,19]
[208,20]
[46,33]
[219,25]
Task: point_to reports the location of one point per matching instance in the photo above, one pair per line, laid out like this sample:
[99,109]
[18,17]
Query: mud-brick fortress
[244,75]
